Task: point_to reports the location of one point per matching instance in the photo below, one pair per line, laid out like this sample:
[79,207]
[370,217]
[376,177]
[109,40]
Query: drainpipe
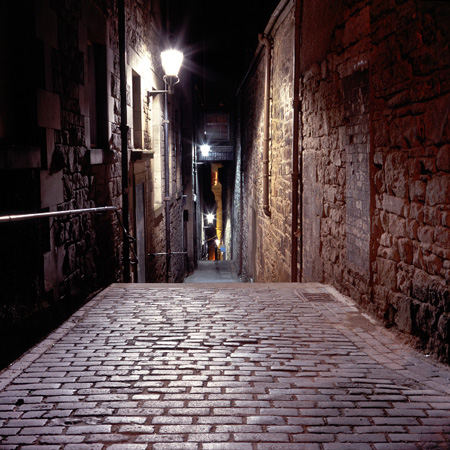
[267,43]
[124,139]
[167,185]
[297,208]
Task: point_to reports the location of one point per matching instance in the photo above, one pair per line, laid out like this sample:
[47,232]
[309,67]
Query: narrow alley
[230,366]
[225,225]
[220,271]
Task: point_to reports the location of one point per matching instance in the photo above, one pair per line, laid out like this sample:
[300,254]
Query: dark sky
[219,40]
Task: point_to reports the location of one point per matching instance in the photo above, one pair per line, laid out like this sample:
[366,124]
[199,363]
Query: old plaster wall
[375,133]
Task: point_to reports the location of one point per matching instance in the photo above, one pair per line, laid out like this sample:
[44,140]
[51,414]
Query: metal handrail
[18,217]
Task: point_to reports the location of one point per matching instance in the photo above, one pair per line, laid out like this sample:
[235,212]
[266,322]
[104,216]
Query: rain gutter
[266,43]
[297,209]
[279,10]
[124,137]
[266,140]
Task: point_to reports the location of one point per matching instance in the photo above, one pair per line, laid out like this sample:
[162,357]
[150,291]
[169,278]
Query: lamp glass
[205,148]
[171,61]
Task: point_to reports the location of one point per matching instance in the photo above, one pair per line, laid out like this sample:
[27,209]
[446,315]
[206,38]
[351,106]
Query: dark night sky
[219,40]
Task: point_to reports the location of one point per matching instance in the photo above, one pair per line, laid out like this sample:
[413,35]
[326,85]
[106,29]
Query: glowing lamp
[205,148]
[171,61]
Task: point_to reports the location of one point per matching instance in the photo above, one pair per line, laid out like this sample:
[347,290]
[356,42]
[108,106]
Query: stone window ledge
[158,209]
[138,154]
[100,156]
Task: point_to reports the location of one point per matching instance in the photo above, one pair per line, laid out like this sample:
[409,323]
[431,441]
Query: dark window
[137,111]
[217,127]
[97,95]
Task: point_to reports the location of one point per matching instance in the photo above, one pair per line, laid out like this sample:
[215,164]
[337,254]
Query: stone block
[52,189]
[396,225]
[387,273]
[405,315]
[438,190]
[49,110]
[437,121]
[425,234]
[405,249]
[396,174]
[53,268]
[444,327]
[417,190]
[443,158]
[442,236]
[395,205]
[426,318]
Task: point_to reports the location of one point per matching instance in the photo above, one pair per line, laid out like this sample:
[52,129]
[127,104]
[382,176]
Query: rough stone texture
[375,138]
[410,88]
[223,366]
[265,250]
[71,257]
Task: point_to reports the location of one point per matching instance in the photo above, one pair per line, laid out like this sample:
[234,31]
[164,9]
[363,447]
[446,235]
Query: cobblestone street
[223,367]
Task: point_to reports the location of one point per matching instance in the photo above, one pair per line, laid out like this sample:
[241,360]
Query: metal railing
[15,218]
[100,210]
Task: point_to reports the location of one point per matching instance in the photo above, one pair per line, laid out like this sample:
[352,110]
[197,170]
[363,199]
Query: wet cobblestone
[234,366]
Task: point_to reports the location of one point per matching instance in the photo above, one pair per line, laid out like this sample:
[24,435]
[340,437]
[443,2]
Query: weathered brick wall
[376,174]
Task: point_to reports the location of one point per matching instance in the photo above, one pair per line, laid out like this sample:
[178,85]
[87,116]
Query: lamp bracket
[153,93]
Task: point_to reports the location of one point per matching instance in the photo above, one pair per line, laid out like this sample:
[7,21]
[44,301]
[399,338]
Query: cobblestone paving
[236,366]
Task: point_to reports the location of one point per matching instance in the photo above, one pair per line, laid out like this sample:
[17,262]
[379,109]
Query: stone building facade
[60,149]
[374,156]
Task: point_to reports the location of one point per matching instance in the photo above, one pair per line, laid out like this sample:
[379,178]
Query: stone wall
[410,110]
[265,249]
[59,152]
[376,174]
[336,160]
[148,160]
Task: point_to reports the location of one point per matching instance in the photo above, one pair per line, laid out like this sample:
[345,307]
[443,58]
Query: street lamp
[171,62]
[205,149]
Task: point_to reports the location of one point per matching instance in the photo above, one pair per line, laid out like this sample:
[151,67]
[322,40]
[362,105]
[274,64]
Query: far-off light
[205,148]
[209,218]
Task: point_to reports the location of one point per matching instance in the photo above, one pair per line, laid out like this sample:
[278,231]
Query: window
[98,123]
[137,111]
[217,126]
